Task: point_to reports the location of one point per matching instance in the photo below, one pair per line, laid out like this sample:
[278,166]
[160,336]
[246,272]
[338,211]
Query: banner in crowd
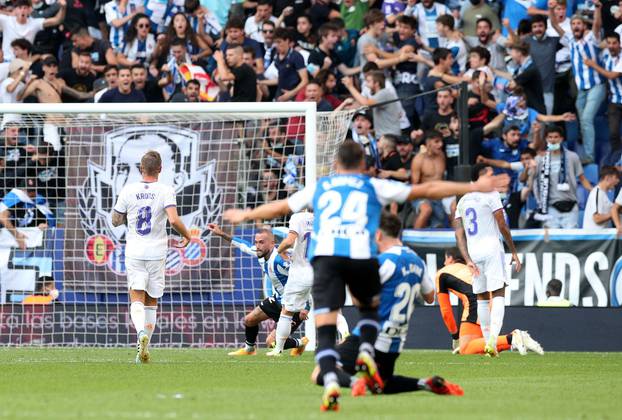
[588,264]
[108,160]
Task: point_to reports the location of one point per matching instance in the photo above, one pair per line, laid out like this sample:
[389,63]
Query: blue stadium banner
[589,263]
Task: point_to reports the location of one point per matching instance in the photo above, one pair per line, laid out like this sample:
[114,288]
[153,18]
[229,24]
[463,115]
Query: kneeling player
[455,277]
[145,206]
[402,274]
[276,269]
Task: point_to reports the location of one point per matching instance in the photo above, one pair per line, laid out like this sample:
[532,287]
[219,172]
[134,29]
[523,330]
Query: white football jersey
[482,233]
[144,204]
[302,224]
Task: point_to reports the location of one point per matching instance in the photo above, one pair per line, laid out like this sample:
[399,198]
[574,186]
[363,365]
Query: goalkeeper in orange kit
[455,277]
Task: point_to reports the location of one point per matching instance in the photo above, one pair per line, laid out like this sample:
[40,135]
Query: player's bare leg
[137,314]
[497,312]
[251,330]
[326,357]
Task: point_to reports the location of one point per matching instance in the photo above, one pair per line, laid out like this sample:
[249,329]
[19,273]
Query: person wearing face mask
[555,187]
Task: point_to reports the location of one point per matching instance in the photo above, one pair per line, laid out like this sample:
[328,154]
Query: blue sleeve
[533,115]
[10,200]
[244,246]
[299,62]
[541,4]
[257,47]
[500,107]
[488,147]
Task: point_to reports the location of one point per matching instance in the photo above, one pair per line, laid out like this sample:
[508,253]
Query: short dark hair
[22,43]
[408,21]
[484,19]
[80,31]
[554,288]
[194,82]
[235,22]
[529,151]
[264,3]
[446,20]
[440,54]
[85,54]
[151,163]
[608,170]
[509,128]
[520,46]
[109,67]
[455,254]
[19,3]
[539,19]
[119,68]
[137,66]
[552,128]
[610,35]
[483,53]
[249,50]
[478,170]
[432,134]
[325,29]
[377,76]
[350,154]
[369,66]
[390,224]
[373,16]
[190,6]
[178,42]
[284,34]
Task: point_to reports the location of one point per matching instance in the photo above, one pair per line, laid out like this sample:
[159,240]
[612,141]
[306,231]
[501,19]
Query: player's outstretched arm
[265,211]
[440,189]
[288,242]
[216,230]
[507,235]
[118,218]
[178,225]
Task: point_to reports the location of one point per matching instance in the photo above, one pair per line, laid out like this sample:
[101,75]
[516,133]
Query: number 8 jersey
[144,204]
[477,210]
[347,212]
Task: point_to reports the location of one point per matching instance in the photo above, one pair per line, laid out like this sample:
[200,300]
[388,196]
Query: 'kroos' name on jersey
[343,181]
[145,196]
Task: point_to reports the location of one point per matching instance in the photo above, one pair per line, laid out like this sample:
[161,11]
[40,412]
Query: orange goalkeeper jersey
[457,279]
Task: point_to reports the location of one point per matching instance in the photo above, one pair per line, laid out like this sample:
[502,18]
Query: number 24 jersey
[144,204]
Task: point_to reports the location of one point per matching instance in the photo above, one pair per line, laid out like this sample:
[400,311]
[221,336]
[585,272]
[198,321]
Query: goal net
[62,272]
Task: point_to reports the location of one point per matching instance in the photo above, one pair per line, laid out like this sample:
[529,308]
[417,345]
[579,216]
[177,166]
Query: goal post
[79,156]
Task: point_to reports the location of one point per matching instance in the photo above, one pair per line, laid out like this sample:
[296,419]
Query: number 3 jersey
[144,204]
[347,213]
[402,274]
[477,210]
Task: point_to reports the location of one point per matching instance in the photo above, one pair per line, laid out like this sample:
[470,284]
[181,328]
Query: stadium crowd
[544,84]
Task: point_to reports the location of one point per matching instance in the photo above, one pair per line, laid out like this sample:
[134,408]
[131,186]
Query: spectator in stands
[429,166]
[21,25]
[324,55]
[171,80]
[271,187]
[328,83]
[80,78]
[100,51]
[362,133]
[254,24]
[481,104]
[353,13]
[313,93]
[526,75]
[404,149]
[612,70]
[118,15]
[277,148]
[598,207]
[11,87]
[23,207]
[373,37]
[292,76]
[479,60]
[591,86]
[269,49]
[234,34]
[487,38]
[111,79]
[150,87]
[241,77]
[452,40]
[386,109]
[305,38]
[203,22]
[478,10]
[555,185]
[193,91]
[124,92]
[543,48]
[389,158]
[14,153]
[323,11]
[138,44]
[553,296]
[438,76]
[426,13]
[48,168]
[438,119]
[180,28]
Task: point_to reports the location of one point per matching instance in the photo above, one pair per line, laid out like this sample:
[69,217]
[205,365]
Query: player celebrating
[145,207]
[298,288]
[481,216]
[343,253]
[402,274]
[455,277]
[275,268]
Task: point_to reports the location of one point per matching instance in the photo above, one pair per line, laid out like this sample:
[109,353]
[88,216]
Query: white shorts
[492,274]
[147,275]
[297,289]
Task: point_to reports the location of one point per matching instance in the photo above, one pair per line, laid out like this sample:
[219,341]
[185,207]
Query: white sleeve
[386,270]
[426,282]
[169,198]
[495,202]
[618,199]
[390,191]
[294,223]
[618,67]
[38,24]
[110,12]
[301,200]
[121,206]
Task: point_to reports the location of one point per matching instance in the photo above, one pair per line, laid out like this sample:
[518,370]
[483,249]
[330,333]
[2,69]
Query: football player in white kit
[479,224]
[145,206]
[297,292]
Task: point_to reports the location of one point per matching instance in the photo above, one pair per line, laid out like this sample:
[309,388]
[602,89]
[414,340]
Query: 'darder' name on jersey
[477,210]
[402,274]
[347,211]
[144,204]
[302,224]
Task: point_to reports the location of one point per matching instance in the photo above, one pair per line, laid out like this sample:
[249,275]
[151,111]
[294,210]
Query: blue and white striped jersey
[275,268]
[585,77]
[113,12]
[347,213]
[402,274]
[611,63]
[26,211]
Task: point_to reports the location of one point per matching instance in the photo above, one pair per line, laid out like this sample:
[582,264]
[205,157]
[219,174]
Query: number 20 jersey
[477,210]
[347,213]
[144,204]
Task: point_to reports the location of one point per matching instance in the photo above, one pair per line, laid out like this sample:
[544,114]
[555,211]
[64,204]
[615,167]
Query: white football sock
[137,313]
[283,330]
[483,315]
[151,315]
[342,326]
[497,312]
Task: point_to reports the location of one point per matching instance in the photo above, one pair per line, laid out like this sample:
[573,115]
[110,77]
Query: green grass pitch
[207,384]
